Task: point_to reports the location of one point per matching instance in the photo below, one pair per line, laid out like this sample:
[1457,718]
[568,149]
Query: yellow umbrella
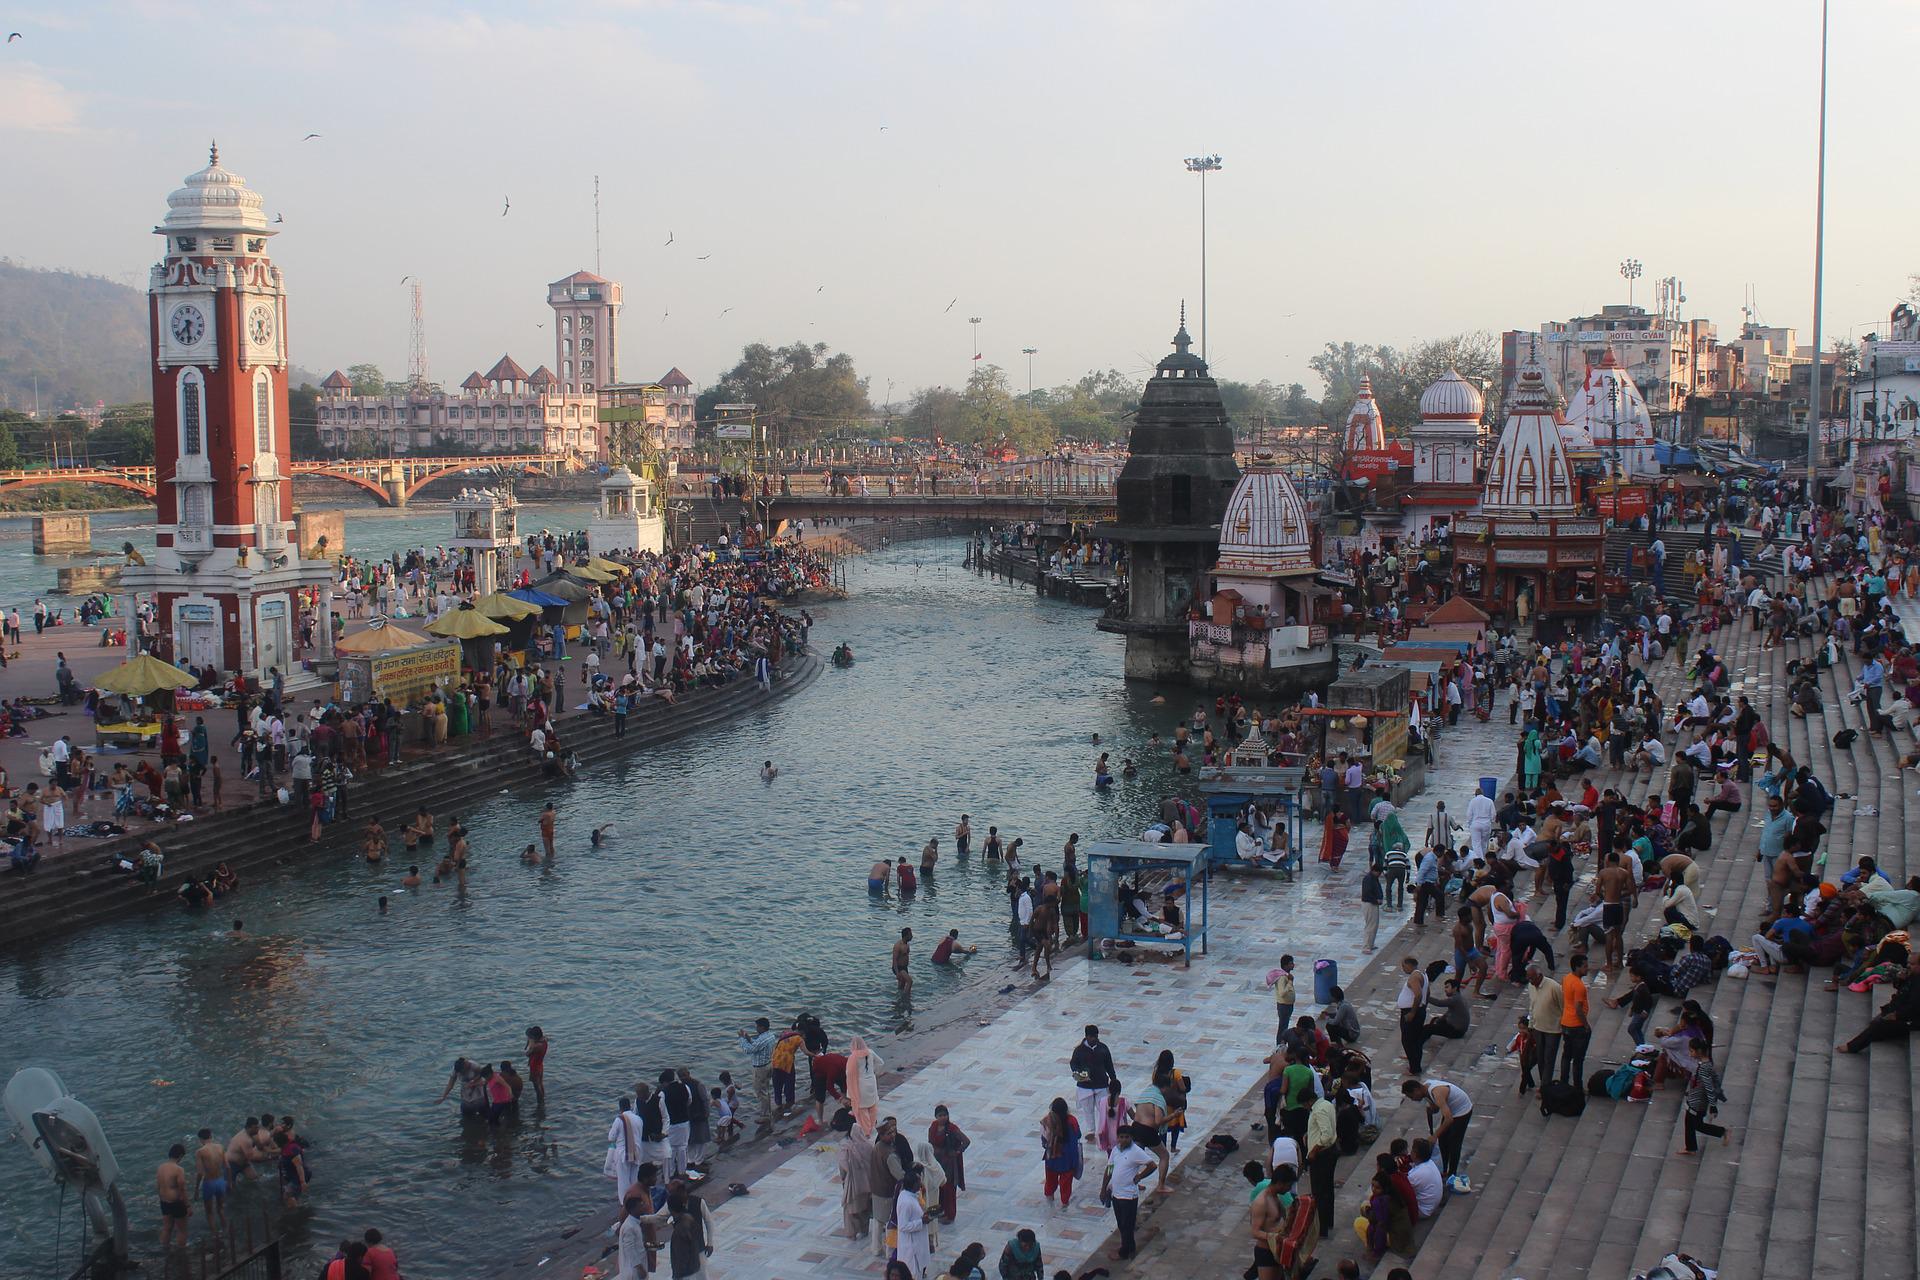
[144,675]
[605,565]
[502,605]
[587,573]
[382,638]
[465,624]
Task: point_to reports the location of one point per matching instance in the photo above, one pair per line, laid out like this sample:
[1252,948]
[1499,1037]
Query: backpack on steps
[1559,1098]
[1597,1084]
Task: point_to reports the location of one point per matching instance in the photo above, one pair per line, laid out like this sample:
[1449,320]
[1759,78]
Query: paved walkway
[1217,1017]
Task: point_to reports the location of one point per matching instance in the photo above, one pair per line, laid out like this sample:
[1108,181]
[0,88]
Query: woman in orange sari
[1333,839]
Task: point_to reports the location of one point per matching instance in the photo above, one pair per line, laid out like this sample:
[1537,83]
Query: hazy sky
[1393,171]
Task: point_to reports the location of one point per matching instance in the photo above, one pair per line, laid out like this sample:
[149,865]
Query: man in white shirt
[1023,911]
[1129,1162]
[1287,1151]
[1479,824]
[1428,1183]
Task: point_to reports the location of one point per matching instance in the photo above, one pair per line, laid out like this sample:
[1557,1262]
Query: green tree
[9,452]
[303,421]
[800,391]
[367,379]
[124,437]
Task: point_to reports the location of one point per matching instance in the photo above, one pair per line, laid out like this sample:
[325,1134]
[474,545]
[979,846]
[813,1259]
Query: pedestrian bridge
[392,481]
[1077,505]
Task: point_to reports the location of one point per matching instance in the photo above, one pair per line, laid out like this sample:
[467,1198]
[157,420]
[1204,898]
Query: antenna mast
[596,224]
[417,353]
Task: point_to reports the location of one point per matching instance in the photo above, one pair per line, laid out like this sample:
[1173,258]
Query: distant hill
[84,337]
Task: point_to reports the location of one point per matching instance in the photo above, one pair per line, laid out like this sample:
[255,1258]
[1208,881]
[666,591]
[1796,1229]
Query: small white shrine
[484,523]
[629,519]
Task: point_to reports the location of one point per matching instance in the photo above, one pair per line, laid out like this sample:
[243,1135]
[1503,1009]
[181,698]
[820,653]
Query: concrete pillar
[396,491]
[62,535]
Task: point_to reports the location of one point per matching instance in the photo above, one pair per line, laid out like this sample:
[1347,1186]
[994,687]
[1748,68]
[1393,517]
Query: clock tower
[227,582]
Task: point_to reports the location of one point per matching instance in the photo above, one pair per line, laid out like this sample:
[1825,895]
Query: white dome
[1366,429]
[1529,473]
[1265,528]
[1452,398]
[215,199]
[619,478]
[1609,408]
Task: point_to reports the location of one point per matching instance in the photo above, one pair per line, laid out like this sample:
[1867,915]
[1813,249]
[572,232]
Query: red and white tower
[227,578]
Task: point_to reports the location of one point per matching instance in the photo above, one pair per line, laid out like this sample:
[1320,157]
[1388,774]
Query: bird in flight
[509,205]
[883,128]
[949,306]
[279,217]
[12,36]
[540,324]
[723,313]
[703,257]
[404,279]
[310,137]
[669,239]
[821,289]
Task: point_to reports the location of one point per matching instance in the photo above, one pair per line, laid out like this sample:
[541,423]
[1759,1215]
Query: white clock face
[187,325]
[260,325]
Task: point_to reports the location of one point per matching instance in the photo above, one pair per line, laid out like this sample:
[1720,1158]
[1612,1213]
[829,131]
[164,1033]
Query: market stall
[1143,896]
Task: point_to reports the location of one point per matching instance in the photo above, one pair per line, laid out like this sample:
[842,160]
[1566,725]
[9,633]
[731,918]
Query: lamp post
[1630,270]
[1029,353]
[975,322]
[1819,270]
[1203,165]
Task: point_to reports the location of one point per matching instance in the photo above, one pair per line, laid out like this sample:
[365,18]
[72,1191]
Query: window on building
[192,413]
[263,411]
[566,346]
[1180,499]
[193,506]
[188,244]
[223,244]
[566,324]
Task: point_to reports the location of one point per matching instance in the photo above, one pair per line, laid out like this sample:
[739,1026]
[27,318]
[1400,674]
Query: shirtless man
[1266,1220]
[1678,866]
[210,1162]
[412,879]
[420,830]
[877,876]
[170,1181]
[1614,884]
[375,841]
[1042,930]
[929,856]
[902,975]
[242,1150]
[963,838]
[457,854]
[530,855]
[548,817]
[1780,884]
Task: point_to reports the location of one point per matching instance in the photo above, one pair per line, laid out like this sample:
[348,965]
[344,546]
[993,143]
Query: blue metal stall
[1124,880]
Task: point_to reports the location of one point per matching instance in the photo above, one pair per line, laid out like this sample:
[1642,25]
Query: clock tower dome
[227,581]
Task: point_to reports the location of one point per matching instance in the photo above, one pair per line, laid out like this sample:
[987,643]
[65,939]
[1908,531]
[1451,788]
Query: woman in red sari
[949,1148]
[1333,839]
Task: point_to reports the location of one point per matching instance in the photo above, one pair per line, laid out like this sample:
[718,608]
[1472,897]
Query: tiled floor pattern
[1216,1017]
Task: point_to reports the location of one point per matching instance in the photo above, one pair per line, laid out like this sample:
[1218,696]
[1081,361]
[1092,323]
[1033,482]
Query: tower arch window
[192,413]
[263,412]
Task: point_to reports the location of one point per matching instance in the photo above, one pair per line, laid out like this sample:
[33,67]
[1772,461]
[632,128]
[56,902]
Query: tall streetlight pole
[1029,353]
[1819,269]
[1203,165]
[1630,271]
[975,322]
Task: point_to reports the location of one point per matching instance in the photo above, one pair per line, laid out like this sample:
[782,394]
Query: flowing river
[720,898]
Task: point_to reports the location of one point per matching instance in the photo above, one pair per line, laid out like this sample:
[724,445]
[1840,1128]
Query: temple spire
[1181,340]
[213,153]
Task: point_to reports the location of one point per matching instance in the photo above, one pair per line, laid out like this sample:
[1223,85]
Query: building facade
[1667,358]
[586,338]
[226,578]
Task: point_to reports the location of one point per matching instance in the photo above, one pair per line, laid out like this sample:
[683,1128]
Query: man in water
[877,877]
[242,1150]
[170,1181]
[210,1162]
[767,772]
[548,818]
[930,856]
[962,838]
[412,879]
[902,975]
[949,950]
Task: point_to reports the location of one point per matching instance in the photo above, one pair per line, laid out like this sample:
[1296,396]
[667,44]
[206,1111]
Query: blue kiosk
[1242,778]
[1127,883]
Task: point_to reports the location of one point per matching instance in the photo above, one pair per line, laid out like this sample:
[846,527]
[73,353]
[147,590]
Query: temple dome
[1451,398]
[1609,408]
[1265,529]
[1366,429]
[1529,473]
[215,199]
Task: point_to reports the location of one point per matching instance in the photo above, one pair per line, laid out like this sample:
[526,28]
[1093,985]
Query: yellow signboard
[407,676]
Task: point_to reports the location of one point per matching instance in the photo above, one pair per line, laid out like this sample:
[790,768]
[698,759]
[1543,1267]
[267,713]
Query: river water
[720,898]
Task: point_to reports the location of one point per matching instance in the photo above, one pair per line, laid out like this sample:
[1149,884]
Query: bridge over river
[392,481]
